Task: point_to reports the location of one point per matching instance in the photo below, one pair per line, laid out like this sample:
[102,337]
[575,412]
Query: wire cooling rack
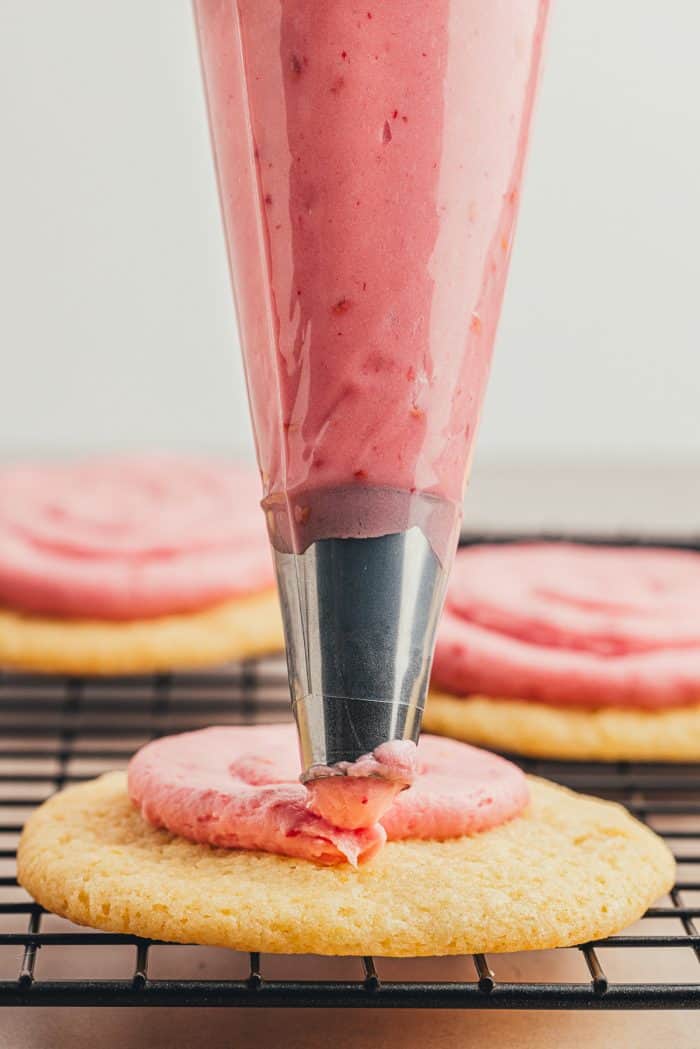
[55,732]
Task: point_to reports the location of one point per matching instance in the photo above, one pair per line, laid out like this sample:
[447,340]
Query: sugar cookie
[133,564]
[571,869]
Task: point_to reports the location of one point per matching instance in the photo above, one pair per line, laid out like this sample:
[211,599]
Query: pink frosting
[237,787]
[573,625]
[129,538]
[368,786]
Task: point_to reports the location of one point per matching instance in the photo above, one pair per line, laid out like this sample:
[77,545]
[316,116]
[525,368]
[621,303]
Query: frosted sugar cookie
[128,565]
[571,651]
[479,858]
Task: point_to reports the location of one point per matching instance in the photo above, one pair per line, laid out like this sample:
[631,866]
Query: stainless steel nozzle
[359,618]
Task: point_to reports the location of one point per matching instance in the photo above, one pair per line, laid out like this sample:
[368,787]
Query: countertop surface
[656,502]
[327,1029]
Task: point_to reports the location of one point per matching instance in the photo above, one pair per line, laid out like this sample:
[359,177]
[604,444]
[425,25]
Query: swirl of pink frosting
[576,625]
[129,538]
[237,787]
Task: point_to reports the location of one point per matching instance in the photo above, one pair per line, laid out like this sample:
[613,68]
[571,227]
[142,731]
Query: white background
[116,326]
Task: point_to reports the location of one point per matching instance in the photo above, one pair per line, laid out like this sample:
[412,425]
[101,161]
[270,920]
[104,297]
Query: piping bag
[369,162]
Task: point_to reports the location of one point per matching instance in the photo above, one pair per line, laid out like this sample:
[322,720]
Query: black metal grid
[59,731]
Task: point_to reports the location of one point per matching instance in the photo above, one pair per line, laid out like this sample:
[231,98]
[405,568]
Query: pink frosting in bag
[237,787]
[573,625]
[129,538]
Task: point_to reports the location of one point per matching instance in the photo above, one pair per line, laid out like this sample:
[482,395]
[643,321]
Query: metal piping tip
[360,618]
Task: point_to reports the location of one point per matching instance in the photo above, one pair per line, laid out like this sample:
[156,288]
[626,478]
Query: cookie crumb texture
[239,628]
[571,869]
[538,730]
